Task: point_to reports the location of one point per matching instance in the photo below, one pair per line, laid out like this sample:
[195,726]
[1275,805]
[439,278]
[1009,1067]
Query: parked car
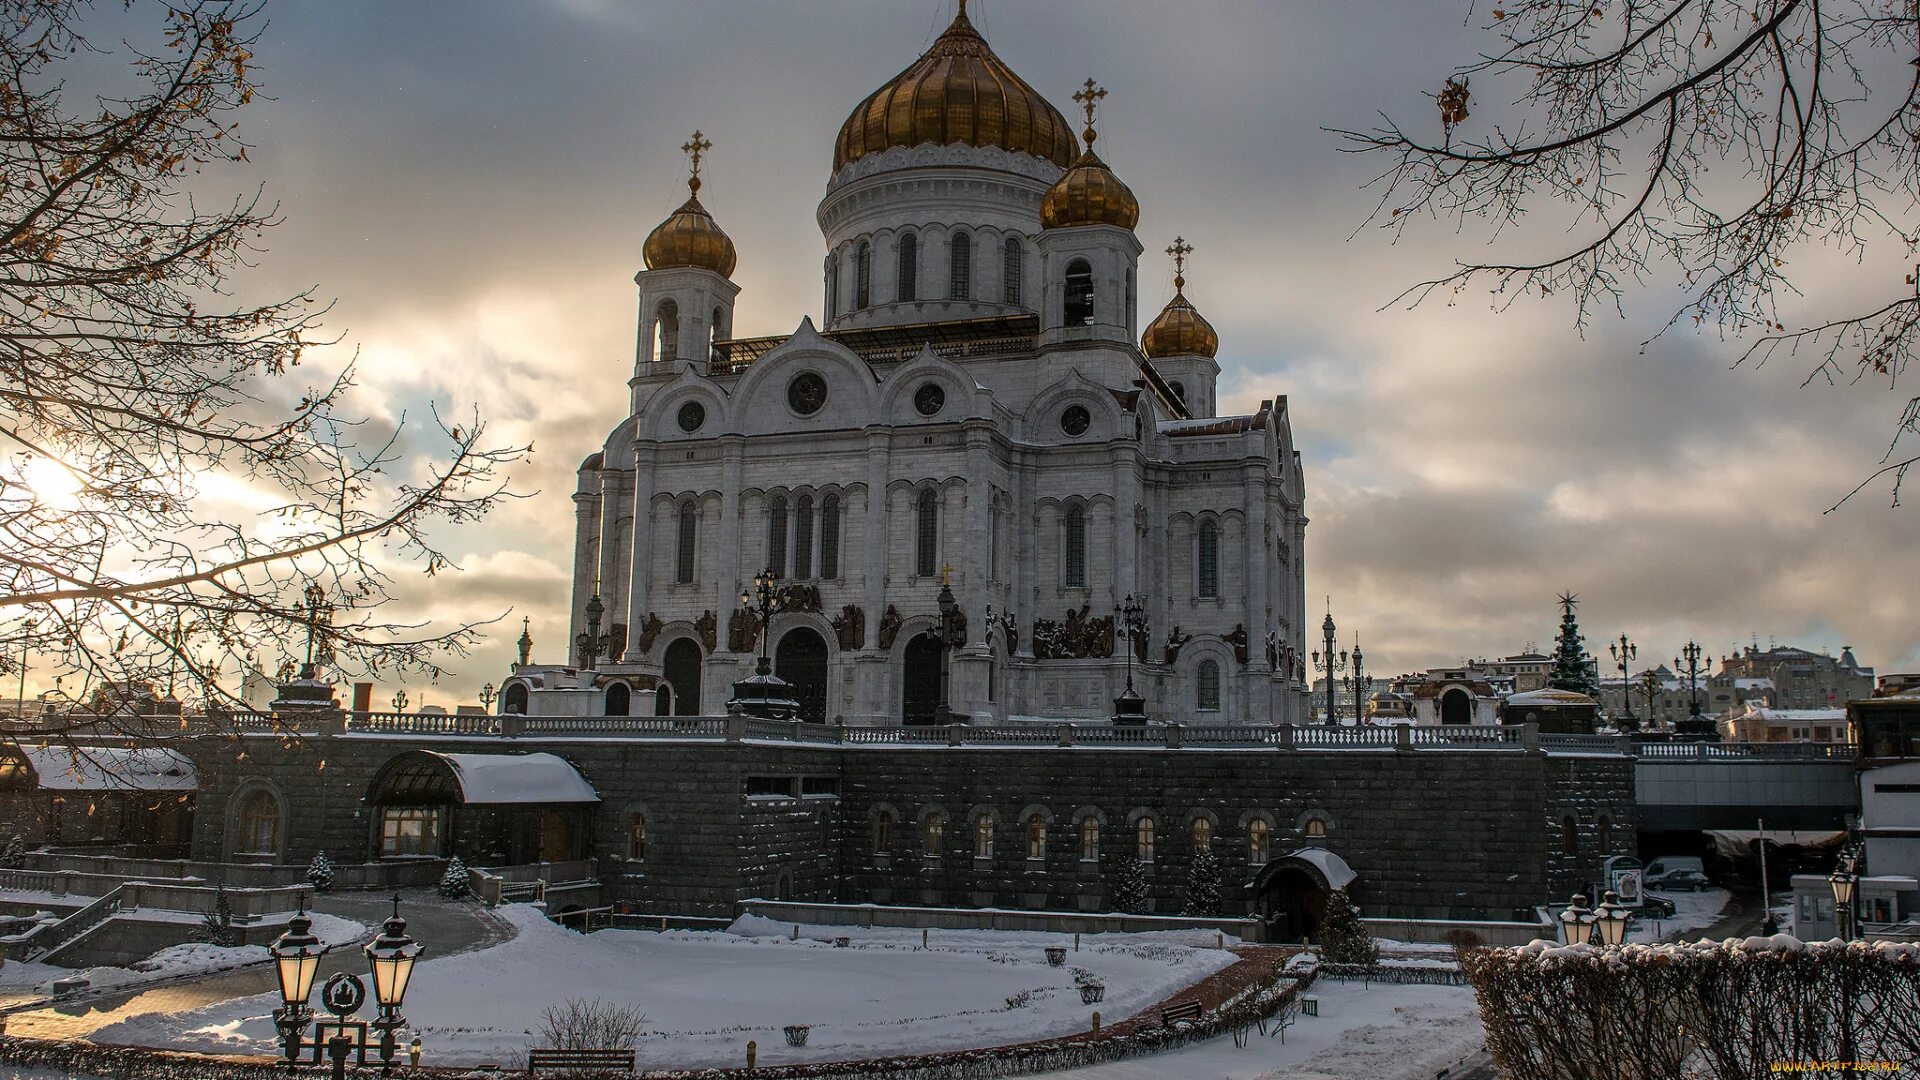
[1682,880]
[1656,907]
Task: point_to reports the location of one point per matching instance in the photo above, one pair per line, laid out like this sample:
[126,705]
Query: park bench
[595,1061]
[1191,1009]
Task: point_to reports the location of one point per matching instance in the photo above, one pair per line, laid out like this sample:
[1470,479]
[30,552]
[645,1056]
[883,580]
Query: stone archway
[801,659]
[1291,893]
[1456,707]
[681,668]
[920,680]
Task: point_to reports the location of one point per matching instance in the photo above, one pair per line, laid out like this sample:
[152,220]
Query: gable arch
[660,419]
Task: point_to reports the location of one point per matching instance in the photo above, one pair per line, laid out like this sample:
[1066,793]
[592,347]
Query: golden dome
[1089,194]
[957,92]
[690,237]
[1179,330]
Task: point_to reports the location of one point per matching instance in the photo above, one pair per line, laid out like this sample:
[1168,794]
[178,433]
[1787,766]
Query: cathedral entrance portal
[1291,893]
[920,680]
[1456,707]
[801,659]
[682,671]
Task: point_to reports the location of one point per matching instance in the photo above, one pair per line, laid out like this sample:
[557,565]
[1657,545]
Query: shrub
[15,855]
[1020,1000]
[589,1024]
[1128,892]
[1203,883]
[320,872]
[217,927]
[1343,939]
[455,885]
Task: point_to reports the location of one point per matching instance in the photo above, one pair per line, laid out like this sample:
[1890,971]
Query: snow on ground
[192,958]
[1386,1033]
[1692,911]
[706,993]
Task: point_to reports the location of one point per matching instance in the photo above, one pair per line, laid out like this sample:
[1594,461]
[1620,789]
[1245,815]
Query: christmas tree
[15,855]
[320,872]
[216,927]
[1128,892]
[1572,667]
[454,884]
[1343,940]
[1203,883]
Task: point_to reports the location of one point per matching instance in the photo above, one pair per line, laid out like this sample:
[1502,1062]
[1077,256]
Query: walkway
[444,928]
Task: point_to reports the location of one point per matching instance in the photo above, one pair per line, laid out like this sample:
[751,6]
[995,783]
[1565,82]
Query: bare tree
[131,377]
[1706,141]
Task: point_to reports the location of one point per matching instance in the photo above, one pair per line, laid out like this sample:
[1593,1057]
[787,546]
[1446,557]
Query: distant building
[1785,677]
[1753,723]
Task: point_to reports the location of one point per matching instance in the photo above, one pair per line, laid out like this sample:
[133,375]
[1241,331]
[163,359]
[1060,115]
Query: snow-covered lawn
[177,960]
[705,994]
[1386,1033]
[1692,911]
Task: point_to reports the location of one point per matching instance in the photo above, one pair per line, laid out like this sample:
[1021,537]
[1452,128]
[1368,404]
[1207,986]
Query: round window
[807,393]
[929,399]
[692,415]
[1076,420]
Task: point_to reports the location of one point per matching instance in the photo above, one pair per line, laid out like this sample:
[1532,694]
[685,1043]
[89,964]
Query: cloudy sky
[473,182]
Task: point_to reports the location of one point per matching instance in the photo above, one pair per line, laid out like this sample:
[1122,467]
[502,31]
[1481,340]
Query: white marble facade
[971,416]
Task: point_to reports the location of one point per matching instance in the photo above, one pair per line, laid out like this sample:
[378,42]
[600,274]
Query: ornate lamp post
[1577,921]
[1611,919]
[1650,686]
[1130,707]
[1624,651]
[590,643]
[316,604]
[487,696]
[1845,880]
[1359,684]
[949,636]
[390,959]
[1691,668]
[1330,665]
[400,701]
[764,694]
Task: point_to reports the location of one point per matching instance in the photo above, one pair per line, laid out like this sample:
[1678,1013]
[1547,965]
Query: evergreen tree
[1572,667]
[454,884]
[1128,890]
[1343,939]
[217,927]
[15,855]
[1203,883]
[320,872]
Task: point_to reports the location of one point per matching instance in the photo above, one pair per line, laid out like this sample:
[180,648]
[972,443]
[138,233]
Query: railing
[51,938]
[1711,751]
[26,880]
[423,723]
[1132,734]
[1450,735]
[1585,744]
[1342,737]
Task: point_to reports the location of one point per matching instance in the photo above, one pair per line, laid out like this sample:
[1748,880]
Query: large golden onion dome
[957,92]
[690,237]
[1088,193]
[1179,330]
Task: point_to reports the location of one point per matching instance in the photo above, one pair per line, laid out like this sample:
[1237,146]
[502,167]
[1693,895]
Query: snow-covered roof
[1796,716]
[1331,866]
[502,779]
[1550,696]
[1753,684]
[109,768]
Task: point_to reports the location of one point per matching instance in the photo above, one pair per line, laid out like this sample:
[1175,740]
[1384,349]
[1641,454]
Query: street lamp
[590,643]
[1845,880]
[487,696]
[949,635]
[764,694]
[400,701]
[1612,918]
[1130,707]
[1327,665]
[296,958]
[1359,683]
[391,957]
[316,598]
[1578,921]
[1692,669]
[1624,651]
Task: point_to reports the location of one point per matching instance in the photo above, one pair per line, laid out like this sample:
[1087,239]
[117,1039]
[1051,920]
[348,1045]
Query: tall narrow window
[933,835]
[830,537]
[777,537]
[1207,693]
[1074,543]
[803,537]
[983,838]
[1036,837]
[666,319]
[637,838]
[1077,301]
[1569,836]
[833,286]
[259,824]
[863,276]
[1143,840]
[1209,570]
[909,275]
[883,832]
[1090,839]
[689,532]
[716,331]
[1202,835]
[960,267]
[1257,834]
[1013,265]
[927,535]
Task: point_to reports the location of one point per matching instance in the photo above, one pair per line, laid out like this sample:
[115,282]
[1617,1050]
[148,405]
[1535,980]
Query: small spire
[963,10]
[1180,250]
[1089,98]
[696,148]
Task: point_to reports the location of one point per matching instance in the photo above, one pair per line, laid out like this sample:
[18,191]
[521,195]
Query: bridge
[1688,786]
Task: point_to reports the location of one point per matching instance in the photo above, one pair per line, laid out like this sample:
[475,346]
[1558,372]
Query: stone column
[586,525]
[728,578]
[1126,495]
[640,553]
[1259,701]
[872,685]
[978,547]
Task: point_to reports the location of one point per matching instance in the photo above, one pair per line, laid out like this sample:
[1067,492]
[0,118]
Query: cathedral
[976,408]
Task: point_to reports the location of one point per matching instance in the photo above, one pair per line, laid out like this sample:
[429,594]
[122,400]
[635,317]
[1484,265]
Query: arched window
[1208,584]
[663,699]
[909,275]
[1206,693]
[830,537]
[1202,835]
[883,831]
[833,286]
[1257,836]
[715,331]
[1179,390]
[863,276]
[1316,828]
[637,838]
[1013,265]
[1073,543]
[1077,298]
[619,699]
[1036,836]
[666,320]
[960,267]
[926,558]
[983,837]
[803,537]
[1143,840]
[259,824]
[683,558]
[777,537]
[513,702]
[1090,839]
[933,835]
[1569,836]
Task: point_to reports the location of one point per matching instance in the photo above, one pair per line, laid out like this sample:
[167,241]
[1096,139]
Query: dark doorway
[1292,902]
[619,699]
[553,837]
[663,699]
[682,670]
[1456,707]
[920,681]
[801,659]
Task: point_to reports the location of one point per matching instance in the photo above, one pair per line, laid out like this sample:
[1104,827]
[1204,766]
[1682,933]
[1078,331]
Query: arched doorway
[920,680]
[801,659]
[663,699]
[681,668]
[1291,893]
[619,699]
[1456,707]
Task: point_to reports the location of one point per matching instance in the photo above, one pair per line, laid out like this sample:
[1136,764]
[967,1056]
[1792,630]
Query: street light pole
[1359,683]
[1692,669]
[1133,631]
[765,694]
[1327,663]
[949,630]
[591,643]
[1624,651]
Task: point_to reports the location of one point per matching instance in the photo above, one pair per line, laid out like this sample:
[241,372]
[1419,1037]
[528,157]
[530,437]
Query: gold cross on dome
[1089,98]
[1180,250]
[696,148]
[946,574]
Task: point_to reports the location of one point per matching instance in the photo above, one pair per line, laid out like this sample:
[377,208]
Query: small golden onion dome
[957,92]
[1179,330]
[1089,194]
[690,237]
